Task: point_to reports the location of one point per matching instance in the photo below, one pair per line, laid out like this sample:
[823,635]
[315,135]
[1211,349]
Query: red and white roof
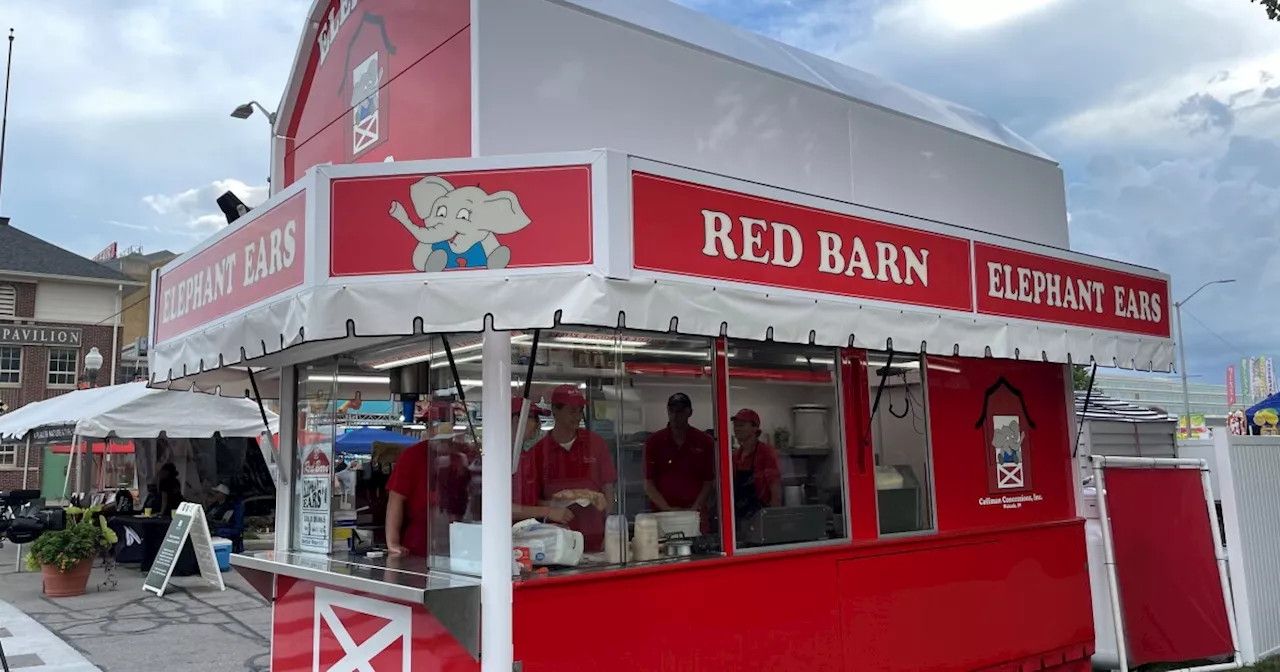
[606,239]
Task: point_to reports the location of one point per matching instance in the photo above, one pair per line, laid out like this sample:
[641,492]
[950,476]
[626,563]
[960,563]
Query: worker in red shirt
[569,458]
[757,473]
[679,461]
[409,501]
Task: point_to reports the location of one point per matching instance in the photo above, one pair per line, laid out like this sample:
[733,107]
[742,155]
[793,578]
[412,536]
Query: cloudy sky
[1163,114]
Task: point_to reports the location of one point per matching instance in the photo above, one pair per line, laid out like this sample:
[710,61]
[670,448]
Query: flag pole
[4,120]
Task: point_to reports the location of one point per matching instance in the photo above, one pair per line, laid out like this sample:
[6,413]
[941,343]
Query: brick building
[54,307]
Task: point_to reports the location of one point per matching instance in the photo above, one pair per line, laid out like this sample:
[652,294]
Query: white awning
[134,411]
[1019,315]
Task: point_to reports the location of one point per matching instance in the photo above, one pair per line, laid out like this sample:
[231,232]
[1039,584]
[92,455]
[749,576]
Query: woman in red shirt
[757,474]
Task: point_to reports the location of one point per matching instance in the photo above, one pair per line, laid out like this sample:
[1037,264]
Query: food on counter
[592,497]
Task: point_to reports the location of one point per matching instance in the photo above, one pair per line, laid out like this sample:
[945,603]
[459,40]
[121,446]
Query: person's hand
[559,514]
[397,550]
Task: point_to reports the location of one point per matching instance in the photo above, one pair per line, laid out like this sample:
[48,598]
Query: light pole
[1182,350]
[244,112]
[92,365]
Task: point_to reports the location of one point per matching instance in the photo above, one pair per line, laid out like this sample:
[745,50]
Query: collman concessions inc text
[903,265]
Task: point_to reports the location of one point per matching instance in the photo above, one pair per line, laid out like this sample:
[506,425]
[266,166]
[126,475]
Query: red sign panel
[257,261]
[695,230]
[1231,385]
[373,85]
[492,219]
[1020,284]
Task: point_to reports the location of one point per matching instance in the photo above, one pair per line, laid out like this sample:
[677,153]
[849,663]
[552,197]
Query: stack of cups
[615,540]
[645,543]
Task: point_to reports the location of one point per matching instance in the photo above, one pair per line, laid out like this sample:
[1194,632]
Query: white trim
[298,68]
[462,165]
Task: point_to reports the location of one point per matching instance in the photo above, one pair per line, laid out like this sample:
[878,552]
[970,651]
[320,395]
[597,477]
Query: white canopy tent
[134,411]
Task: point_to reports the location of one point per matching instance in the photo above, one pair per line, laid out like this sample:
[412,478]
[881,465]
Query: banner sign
[1231,385]
[1013,283]
[493,219]
[695,230]
[261,259]
[690,229]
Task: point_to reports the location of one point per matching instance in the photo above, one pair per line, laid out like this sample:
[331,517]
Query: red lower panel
[983,601]
[967,607]
[1170,590]
[320,627]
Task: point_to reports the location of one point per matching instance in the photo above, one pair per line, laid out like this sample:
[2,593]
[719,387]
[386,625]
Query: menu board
[188,524]
[315,501]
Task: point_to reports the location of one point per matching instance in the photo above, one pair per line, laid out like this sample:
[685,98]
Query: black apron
[746,502]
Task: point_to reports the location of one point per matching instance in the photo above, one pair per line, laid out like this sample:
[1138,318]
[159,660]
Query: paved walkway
[193,627]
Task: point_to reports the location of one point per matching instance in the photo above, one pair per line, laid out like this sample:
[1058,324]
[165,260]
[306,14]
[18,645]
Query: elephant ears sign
[487,220]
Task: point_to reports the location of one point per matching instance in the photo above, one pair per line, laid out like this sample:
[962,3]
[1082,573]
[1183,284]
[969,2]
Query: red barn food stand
[880,396]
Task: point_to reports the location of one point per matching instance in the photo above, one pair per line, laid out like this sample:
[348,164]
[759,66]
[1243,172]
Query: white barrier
[1249,487]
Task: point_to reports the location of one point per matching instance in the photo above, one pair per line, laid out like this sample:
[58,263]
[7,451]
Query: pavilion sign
[19,334]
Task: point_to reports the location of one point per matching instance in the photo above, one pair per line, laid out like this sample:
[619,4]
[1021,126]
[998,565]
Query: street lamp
[92,365]
[245,111]
[1182,349]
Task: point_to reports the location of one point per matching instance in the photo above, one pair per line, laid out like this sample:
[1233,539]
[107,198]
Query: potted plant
[66,556]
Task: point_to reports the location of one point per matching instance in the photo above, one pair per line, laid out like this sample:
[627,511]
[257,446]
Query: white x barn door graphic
[365,132]
[1009,476]
[359,657]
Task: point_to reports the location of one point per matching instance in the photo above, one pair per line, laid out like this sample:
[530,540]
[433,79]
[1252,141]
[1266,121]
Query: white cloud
[952,16]
[195,211]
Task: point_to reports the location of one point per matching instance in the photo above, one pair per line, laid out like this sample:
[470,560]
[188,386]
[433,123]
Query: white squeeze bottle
[615,540]
[646,539]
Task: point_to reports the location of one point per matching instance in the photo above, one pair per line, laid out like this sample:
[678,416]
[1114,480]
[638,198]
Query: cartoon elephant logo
[460,227]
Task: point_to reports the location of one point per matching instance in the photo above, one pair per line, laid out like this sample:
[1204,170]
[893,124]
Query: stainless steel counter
[453,599]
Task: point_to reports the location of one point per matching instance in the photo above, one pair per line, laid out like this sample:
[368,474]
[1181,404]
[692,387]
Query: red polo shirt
[679,472]
[411,479]
[549,468]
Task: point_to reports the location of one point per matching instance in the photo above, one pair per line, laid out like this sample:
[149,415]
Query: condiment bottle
[645,543]
[615,540]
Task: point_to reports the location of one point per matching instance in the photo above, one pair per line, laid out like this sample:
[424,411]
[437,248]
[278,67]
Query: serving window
[788,472]
[897,390]
[626,454]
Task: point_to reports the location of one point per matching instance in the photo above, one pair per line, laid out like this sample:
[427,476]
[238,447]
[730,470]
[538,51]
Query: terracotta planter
[69,583]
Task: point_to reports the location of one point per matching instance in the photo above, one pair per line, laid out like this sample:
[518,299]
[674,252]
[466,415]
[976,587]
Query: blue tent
[1272,402]
[360,441]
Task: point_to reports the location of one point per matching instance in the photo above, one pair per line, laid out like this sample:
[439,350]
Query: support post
[496,651]
[286,458]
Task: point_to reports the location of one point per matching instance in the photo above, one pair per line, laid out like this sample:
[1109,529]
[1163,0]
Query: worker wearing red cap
[568,458]
[679,461]
[757,474]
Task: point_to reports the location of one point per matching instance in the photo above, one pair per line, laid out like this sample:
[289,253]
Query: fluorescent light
[815,360]
[603,340]
[440,354]
[470,382]
[630,349]
[364,380]
[415,427]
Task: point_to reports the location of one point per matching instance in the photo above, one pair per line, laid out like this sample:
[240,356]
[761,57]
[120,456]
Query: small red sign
[257,261]
[695,230]
[316,464]
[1020,284]
[1231,386]
[495,219]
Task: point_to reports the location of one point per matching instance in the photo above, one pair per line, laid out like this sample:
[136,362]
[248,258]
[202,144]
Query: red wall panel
[955,602]
[961,450]
[427,112]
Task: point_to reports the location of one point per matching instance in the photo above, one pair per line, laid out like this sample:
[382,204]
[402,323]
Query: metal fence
[1249,488]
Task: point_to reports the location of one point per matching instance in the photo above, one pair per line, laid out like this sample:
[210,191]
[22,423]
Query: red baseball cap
[569,395]
[748,415]
[534,409]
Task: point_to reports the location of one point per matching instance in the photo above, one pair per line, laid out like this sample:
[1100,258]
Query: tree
[1272,7]
[1080,374]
